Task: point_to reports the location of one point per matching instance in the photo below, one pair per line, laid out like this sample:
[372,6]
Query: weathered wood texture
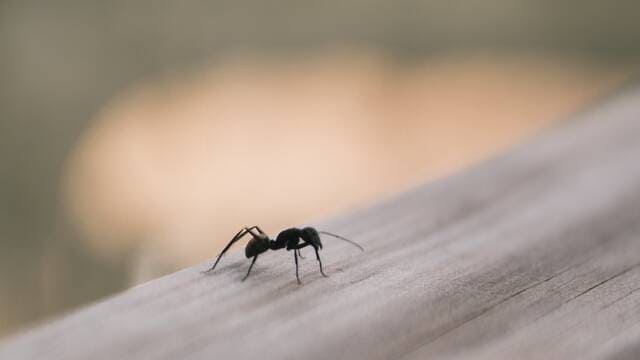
[534,254]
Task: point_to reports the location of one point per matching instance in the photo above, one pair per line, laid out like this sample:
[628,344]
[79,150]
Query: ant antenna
[343,239]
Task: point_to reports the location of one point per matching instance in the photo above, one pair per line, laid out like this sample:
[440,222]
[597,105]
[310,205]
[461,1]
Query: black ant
[289,238]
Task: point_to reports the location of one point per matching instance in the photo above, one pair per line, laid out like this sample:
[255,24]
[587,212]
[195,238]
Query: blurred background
[137,137]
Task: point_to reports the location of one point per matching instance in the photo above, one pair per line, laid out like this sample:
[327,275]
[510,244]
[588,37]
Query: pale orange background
[172,169]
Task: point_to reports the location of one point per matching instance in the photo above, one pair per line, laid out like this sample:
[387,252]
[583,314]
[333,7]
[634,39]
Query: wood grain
[534,254]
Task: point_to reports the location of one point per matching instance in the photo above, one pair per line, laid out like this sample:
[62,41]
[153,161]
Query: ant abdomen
[256,246]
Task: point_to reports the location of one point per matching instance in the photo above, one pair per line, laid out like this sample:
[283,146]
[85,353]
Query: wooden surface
[534,254]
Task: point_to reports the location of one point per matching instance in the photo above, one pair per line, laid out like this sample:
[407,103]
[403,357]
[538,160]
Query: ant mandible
[292,238]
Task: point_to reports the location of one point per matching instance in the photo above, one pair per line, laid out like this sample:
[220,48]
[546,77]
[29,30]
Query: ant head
[311,235]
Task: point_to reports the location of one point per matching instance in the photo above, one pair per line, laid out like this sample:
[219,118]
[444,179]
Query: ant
[290,238]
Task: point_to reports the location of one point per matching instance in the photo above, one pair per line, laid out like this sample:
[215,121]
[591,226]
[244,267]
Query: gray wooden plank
[534,254]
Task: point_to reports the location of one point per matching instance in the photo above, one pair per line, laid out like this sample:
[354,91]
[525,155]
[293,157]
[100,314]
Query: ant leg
[300,246]
[252,228]
[253,233]
[319,262]
[237,237]
[295,256]
[259,230]
[250,267]
[317,255]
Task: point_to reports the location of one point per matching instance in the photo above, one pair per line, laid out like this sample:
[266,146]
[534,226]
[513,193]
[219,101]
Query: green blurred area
[60,61]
